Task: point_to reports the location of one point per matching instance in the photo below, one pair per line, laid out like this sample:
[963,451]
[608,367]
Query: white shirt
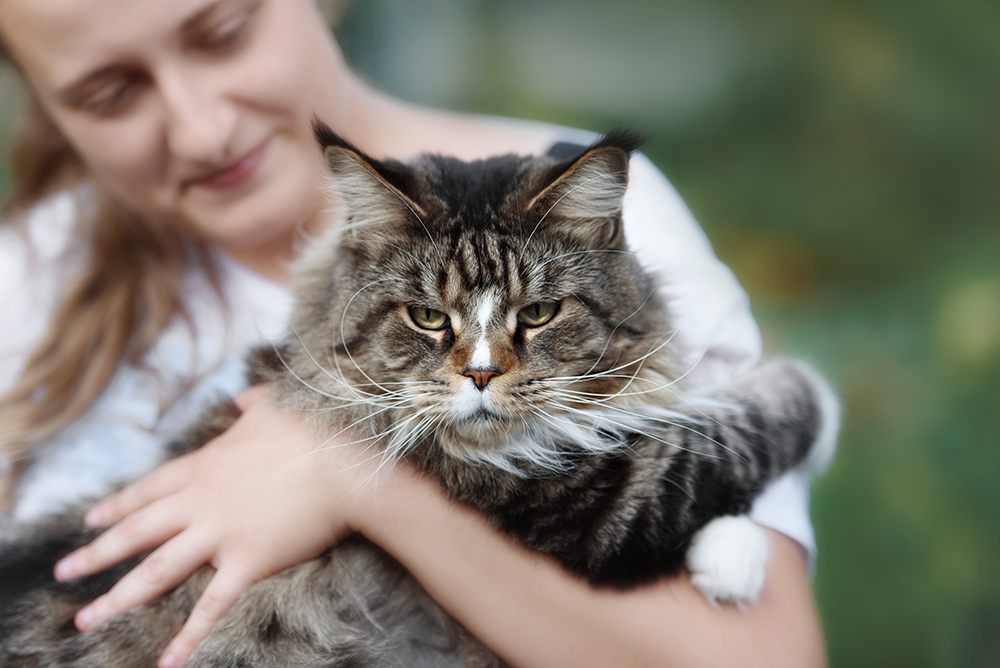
[121,436]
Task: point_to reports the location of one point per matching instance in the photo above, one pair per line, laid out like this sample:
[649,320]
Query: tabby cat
[486,322]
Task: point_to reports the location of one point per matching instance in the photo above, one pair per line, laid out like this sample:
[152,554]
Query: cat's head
[492,303]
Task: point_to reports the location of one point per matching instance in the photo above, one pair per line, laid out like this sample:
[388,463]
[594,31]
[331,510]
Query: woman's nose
[200,121]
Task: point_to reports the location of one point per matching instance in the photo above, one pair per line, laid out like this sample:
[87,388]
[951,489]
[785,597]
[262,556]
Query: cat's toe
[727,560]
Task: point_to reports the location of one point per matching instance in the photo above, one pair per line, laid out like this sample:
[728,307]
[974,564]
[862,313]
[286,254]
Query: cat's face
[489,303]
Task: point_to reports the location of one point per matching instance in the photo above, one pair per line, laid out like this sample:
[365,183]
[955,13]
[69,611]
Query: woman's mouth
[236,173]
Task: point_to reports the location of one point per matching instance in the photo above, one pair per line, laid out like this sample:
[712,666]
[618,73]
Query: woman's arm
[262,498]
[533,613]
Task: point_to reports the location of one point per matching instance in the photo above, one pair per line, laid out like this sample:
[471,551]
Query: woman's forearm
[533,613]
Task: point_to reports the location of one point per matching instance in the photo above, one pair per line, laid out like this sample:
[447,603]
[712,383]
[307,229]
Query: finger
[140,531]
[219,596]
[165,480]
[158,573]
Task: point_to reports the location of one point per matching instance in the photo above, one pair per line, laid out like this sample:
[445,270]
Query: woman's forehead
[55,41]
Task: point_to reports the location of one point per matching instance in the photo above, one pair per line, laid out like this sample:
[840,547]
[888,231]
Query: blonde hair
[126,295]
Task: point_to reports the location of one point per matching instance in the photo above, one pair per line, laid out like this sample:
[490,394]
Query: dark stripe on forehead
[461,266]
[488,255]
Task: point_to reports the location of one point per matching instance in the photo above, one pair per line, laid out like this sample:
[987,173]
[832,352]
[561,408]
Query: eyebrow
[76,89]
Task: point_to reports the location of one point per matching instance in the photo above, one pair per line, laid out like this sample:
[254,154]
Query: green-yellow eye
[428,318]
[536,315]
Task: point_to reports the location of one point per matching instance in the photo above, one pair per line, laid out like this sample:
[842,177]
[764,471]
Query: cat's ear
[584,194]
[372,192]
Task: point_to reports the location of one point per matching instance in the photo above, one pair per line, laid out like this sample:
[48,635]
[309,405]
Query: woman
[177,136]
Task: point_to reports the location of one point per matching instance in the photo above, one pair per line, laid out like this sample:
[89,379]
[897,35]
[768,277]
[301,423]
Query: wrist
[394,503]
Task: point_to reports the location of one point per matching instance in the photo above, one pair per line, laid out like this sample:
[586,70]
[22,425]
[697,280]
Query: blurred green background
[844,158]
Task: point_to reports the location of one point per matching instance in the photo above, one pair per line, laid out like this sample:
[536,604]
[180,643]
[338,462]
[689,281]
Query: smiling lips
[237,173]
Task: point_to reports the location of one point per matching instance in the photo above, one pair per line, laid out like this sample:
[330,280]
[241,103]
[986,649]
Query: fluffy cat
[486,322]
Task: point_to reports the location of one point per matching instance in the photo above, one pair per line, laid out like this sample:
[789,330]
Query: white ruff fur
[541,443]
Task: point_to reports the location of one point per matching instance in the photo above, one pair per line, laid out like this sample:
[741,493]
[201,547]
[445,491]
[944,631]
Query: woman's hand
[254,501]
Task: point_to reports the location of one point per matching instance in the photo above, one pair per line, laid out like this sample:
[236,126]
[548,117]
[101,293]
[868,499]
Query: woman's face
[195,111]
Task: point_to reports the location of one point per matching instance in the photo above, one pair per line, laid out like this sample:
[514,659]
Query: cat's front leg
[727,560]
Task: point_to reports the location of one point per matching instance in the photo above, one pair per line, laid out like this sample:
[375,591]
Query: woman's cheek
[126,156]
[285,86]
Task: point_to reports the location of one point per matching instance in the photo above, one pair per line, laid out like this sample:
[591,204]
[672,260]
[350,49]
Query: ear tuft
[371,192]
[586,192]
[327,138]
[622,138]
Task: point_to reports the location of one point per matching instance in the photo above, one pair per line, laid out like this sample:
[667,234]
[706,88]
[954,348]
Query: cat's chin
[481,431]
[483,424]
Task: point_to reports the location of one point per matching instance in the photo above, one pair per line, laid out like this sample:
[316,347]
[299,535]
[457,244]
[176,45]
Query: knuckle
[212,606]
[153,570]
[129,530]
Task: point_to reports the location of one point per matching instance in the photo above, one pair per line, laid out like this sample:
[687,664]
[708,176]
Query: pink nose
[481,376]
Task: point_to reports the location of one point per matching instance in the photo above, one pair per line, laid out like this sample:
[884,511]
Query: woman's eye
[229,30]
[109,99]
[428,318]
[225,34]
[536,315]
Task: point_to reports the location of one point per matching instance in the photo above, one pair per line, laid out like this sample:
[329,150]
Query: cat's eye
[537,314]
[428,318]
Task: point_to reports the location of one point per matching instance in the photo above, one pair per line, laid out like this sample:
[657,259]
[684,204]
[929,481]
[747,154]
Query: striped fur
[577,437]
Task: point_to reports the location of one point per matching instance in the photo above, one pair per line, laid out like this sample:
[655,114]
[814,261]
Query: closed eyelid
[89,89]
[95,84]
[228,16]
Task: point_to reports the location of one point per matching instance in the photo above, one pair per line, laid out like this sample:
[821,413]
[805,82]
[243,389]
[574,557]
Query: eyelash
[228,32]
[107,103]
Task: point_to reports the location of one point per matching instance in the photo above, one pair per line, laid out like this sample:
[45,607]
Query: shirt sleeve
[715,329]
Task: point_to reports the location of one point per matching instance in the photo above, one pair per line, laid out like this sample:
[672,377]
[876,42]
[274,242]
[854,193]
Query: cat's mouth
[481,425]
[481,416]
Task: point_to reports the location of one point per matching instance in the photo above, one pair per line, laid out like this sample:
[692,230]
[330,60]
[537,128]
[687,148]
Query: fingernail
[64,569]
[93,517]
[168,661]
[85,618]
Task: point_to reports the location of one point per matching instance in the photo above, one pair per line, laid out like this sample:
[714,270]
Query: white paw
[727,560]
